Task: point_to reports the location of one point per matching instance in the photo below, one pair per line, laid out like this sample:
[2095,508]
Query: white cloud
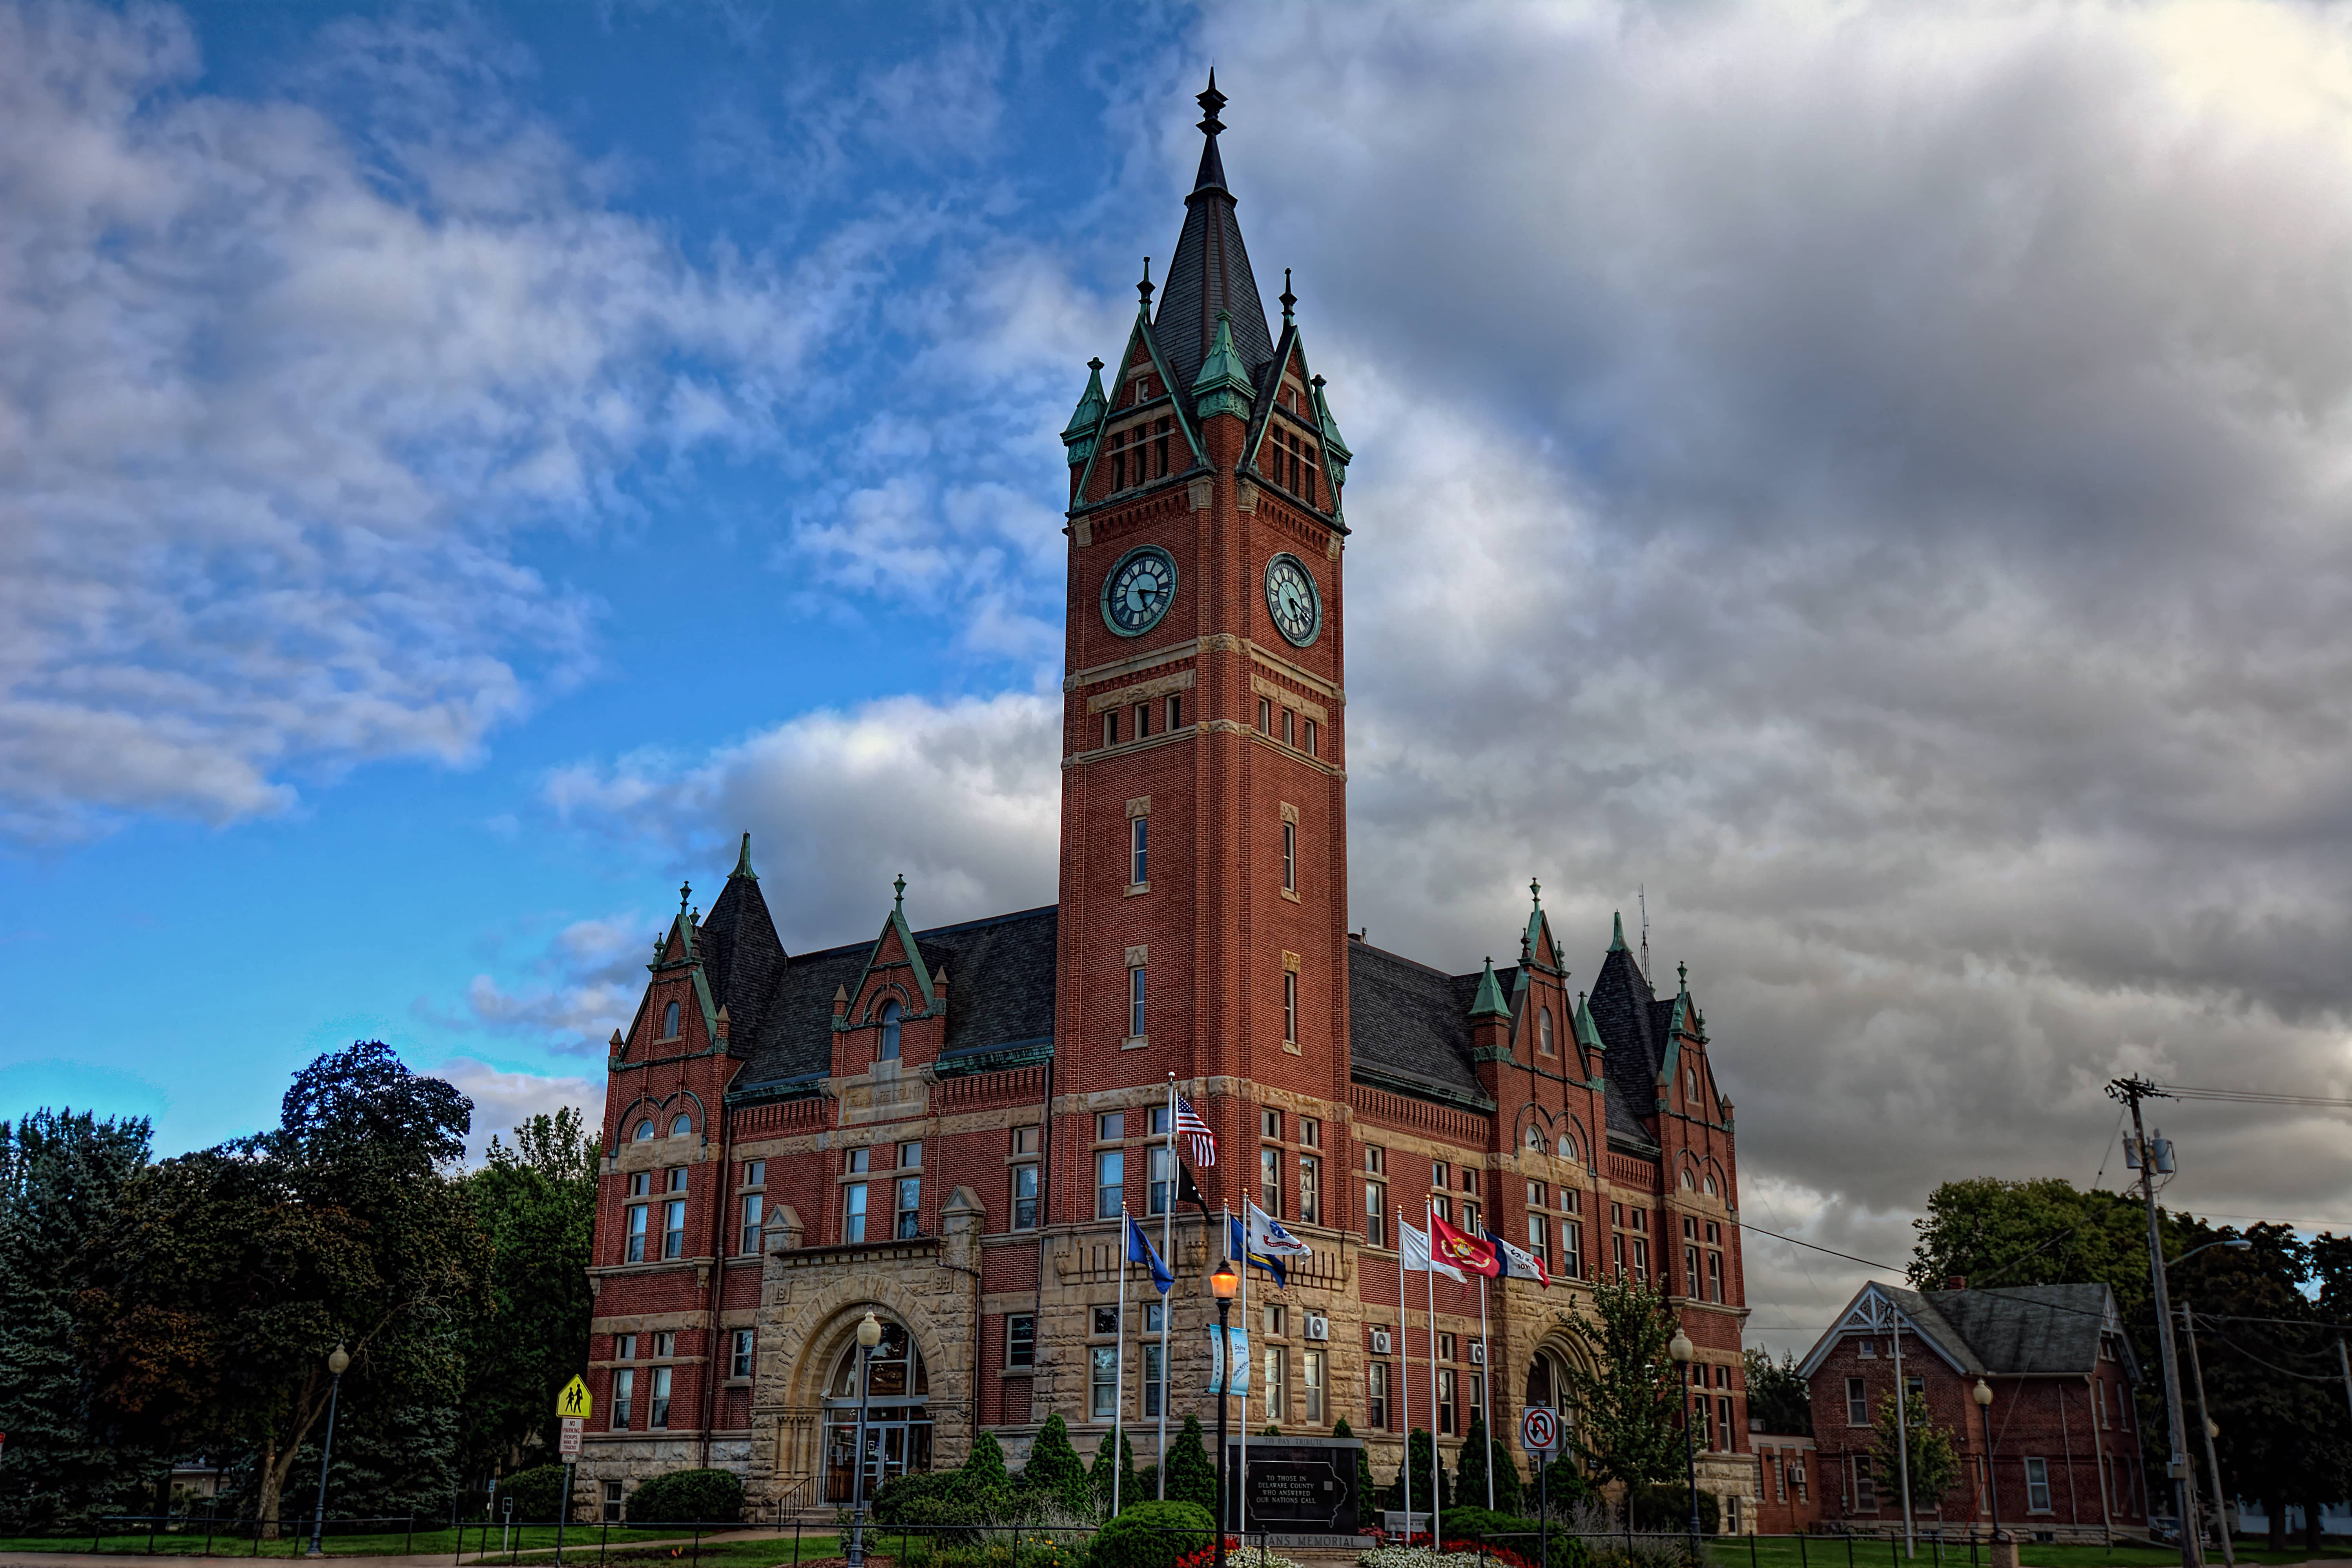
[276,397]
[962,797]
[586,984]
[505,1100]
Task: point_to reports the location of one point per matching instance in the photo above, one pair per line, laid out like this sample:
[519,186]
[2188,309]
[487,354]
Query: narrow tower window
[1175,714]
[1290,1007]
[1135,995]
[1290,857]
[889,1051]
[1138,867]
[669,1022]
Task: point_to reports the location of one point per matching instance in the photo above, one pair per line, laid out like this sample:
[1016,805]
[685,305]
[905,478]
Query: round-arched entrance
[897,1410]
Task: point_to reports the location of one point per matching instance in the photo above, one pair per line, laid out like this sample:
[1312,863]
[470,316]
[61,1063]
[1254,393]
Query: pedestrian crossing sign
[576,1400]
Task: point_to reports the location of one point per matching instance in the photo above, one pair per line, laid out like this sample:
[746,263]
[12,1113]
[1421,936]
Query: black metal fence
[228,1533]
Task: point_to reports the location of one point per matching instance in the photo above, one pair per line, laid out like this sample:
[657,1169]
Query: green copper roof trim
[1336,456]
[1144,334]
[1489,1002]
[1490,1054]
[897,922]
[1581,1021]
[744,862]
[998,1060]
[1224,385]
[1617,932]
[1086,422]
[1262,419]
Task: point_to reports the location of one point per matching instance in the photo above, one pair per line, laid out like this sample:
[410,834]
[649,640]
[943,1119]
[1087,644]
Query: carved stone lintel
[1083,532]
[1199,493]
[1246,496]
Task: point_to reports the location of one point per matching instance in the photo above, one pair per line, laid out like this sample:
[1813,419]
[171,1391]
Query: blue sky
[1871,475]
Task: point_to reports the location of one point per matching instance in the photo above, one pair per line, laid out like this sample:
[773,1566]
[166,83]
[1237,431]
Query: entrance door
[897,1439]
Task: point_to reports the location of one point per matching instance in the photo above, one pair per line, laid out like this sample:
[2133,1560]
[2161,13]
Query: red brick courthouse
[939,1124]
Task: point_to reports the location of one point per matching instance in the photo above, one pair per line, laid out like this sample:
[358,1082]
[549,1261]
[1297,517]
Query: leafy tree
[61,1175]
[1626,1391]
[1935,1461]
[536,1200]
[223,1277]
[1190,1476]
[1054,1472]
[1778,1395]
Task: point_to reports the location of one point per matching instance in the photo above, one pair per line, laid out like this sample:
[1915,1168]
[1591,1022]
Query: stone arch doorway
[1548,1381]
[897,1406]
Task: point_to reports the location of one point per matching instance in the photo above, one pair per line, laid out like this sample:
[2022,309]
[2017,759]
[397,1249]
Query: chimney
[722,1023]
[1956,1281]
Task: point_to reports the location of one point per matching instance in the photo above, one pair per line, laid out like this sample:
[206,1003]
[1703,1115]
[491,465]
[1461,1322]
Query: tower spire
[1210,272]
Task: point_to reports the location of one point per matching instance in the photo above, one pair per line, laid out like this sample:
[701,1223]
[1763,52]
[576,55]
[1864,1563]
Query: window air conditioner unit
[1380,1342]
[1318,1327]
[1477,1353]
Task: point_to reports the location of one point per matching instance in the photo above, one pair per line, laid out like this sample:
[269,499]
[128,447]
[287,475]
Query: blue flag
[1238,1240]
[1139,1251]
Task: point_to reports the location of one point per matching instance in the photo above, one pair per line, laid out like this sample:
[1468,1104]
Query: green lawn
[1863,1552]
[715,1552]
[528,1542]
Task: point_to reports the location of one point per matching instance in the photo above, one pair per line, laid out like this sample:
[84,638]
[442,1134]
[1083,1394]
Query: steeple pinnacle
[744,862]
[1210,272]
[1288,297]
[1213,168]
[1489,1003]
[1617,932]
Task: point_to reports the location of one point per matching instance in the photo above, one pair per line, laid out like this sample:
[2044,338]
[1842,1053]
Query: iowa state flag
[1464,1251]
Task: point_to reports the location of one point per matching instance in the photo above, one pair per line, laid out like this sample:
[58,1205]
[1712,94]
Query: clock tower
[1203,872]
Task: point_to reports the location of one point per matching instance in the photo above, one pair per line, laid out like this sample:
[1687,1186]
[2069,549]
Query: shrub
[1512,1534]
[984,1471]
[1190,1476]
[1153,1535]
[537,1495]
[1054,1473]
[947,1506]
[687,1495]
[1665,1507]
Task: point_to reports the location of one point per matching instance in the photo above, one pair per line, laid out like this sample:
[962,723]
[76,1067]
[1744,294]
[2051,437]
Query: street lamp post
[870,1334]
[1223,1283]
[337,1359]
[1680,1349]
[1982,1394]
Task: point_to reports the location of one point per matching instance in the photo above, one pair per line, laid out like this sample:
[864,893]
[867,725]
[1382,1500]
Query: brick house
[2064,1442]
[941,1125]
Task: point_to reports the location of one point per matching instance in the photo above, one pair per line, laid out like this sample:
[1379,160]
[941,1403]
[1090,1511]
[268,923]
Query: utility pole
[2204,1419]
[2131,1091]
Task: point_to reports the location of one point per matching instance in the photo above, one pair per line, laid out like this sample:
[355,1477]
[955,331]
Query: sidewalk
[582,1545]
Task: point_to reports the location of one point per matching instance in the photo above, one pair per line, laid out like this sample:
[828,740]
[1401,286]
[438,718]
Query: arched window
[1543,1030]
[1534,1138]
[669,1022]
[1711,1190]
[1688,1185]
[1567,1145]
[645,1131]
[895,1372]
[681,1127]
[889,1051]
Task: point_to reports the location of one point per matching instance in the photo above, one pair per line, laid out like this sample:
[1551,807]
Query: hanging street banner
[576,1400]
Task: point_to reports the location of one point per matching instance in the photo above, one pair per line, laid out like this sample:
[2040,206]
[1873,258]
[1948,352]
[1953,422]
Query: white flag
[1268,1239]
[1416,1254]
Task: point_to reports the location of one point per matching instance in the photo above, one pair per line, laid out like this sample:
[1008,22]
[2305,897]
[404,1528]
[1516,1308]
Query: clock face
[1138,590]
[1291,599]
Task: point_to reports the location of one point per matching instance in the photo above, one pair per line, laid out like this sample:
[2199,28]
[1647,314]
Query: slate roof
[1410,1023]
[2028,1328]
[1211,272]
[1632,1024]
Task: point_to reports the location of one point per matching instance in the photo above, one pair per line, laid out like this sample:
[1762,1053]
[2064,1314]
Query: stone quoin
[940,1125]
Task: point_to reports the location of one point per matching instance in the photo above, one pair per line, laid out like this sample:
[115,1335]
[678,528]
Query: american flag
[1205,1142]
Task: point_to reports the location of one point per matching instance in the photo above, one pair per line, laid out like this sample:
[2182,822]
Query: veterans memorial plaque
[1298,1486]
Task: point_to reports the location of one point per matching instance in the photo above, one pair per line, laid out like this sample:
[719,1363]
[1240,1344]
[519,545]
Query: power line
[2251,1097]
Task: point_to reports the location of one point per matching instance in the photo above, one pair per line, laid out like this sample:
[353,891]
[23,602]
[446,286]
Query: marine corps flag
[1451,1245]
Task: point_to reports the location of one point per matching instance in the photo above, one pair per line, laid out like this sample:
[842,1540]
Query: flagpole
[1485,1391]
[1242,1502]
[1436,1491]
[1167,1298]
[1118,1374]
[1404,1379]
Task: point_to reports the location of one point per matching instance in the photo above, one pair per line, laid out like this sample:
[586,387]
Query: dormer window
[889,1051]
[669,1022]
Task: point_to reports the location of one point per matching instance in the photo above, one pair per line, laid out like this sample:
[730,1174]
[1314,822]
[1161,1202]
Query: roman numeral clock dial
[1138,590]
[1292,600]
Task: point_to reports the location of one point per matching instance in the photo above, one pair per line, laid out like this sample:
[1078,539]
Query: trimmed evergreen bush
[1152,1535]
[1190,1476]
[984,1471]
[1099,1477]
[1055,1471]
[1512,1532]
[537,1495]
[688,1497]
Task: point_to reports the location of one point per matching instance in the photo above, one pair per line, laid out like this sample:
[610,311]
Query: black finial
[1211,102]
[899,904]
[1288,299]
[1143,289]
[1094,364]
[684,890]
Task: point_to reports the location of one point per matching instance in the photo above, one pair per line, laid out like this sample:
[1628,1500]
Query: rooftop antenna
[1642,895]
